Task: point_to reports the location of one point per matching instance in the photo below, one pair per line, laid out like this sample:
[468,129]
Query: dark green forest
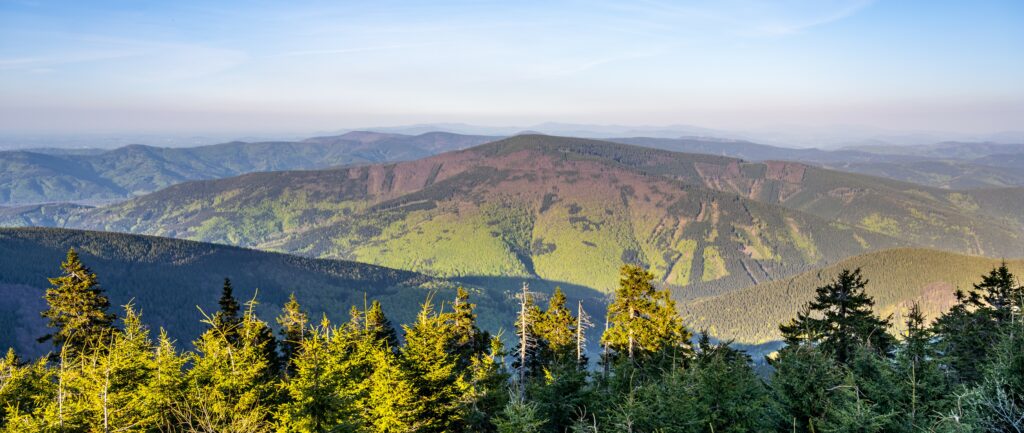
[842,368]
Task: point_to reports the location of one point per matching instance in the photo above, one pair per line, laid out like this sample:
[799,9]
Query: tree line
[841,370]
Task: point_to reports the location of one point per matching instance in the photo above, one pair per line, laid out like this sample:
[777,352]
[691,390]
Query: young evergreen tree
[807,383]
[167,383]
[114,377]
[964,337]
[643,321]
[293,322]
[923,386]
[77,307]
[846,320]
[392,403]
[996,404]
[323,390]
[725,394]
[1001,294]
[380,328]
[231,385]
[428,357]
[556,327]
[25,391]
[227,320]
[519,416]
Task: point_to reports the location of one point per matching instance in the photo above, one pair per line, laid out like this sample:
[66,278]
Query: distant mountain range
[51,175]
[94,176]
[569,211]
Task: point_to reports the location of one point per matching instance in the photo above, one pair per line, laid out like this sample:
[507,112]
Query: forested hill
[897,278]
[168,278]
[27,176]
[569,211]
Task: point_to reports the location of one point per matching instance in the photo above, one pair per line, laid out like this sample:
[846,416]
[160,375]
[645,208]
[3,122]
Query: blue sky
[134,66]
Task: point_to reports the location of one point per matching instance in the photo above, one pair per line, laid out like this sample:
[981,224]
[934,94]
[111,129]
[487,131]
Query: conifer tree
[847,320]
[725,394]
[167,383]
[293,322]
[379,327]
[922,385]
[227,320]
[114,378]
[807,383]
[429,359]
[1001,293]
[320,389]
[643,321]
[25,391]
[392,402]
[529,353]
[965,336]
[230,386]
[998,402]
[519,416]
[77,307]
[557,329]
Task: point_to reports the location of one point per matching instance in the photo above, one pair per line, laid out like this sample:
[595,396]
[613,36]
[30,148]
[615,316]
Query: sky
[262,67]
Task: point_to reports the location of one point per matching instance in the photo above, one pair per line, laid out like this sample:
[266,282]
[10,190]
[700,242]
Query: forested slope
[169,278]
[897,278]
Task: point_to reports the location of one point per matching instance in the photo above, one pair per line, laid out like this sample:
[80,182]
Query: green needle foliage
[840,319]
[77,307]
[446,375]
[643,321]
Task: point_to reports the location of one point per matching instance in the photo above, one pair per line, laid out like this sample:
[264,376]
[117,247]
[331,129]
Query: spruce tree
[965,335]
[846,319]
[808,383]
[25,391]
[643,321]
[319,390]
[557,329]
[77,307]
[227,319]
[1001,293]
[293,322]
[469,341]
[167,383]
[429,359]
[231,384]
[392,402]
[725,393]
[114,378]
[379,327]
[923,386]
[519,416]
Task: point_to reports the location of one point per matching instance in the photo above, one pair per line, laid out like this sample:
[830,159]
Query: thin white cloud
[743,17]
[54,60]
[352,50]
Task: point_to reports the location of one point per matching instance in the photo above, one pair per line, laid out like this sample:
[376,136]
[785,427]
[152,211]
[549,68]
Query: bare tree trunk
[524,339]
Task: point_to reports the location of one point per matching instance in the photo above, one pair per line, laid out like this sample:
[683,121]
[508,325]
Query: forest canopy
[842,368]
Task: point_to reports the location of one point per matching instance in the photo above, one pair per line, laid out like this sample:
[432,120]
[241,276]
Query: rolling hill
[939,166]
[897,277]
[49,176]
[565,210]
[570,211]
[168,278]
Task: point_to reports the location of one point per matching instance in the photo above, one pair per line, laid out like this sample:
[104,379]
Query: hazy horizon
[191,68]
